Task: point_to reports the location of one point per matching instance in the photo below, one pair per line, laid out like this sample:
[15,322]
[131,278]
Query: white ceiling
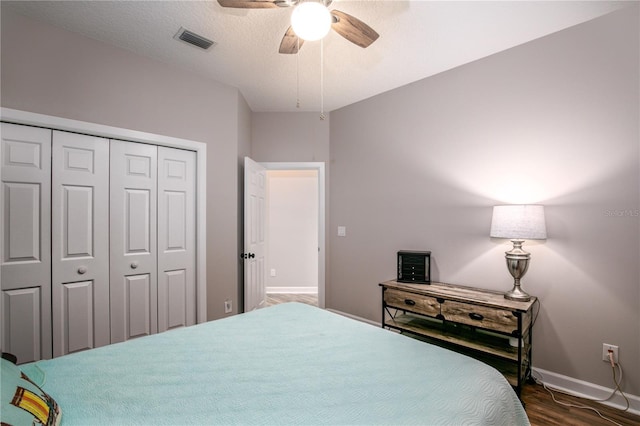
[417,39]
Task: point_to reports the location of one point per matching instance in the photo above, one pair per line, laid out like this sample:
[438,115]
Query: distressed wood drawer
[480,316]
[418,303]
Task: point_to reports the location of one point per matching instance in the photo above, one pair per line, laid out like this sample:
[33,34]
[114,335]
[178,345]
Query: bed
[287,364]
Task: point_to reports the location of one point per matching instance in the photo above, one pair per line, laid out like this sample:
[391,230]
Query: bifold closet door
[176,238]
[133,244]
[80,248]
[25,305]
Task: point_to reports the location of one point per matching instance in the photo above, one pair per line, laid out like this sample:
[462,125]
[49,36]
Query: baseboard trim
[354,317]
[587,390]
[292,290]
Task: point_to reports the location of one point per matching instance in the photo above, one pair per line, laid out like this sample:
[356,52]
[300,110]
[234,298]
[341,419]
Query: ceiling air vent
[193,39]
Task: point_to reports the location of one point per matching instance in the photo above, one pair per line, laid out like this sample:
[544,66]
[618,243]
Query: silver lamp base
[517,263]
[517,294]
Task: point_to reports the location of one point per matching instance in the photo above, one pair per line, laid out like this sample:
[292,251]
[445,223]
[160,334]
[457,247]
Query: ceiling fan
[347,26]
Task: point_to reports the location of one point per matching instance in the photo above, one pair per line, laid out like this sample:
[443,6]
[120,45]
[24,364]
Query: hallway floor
[277,298]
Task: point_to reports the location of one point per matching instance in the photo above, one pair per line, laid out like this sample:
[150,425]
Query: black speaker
[414,267]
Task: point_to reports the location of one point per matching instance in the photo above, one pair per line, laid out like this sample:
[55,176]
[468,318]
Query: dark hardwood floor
[543,411]
[539,404]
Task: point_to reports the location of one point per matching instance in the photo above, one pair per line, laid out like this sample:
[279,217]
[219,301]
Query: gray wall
[292,230]
[555,122]
[52,71]
[295,137]
[291,136]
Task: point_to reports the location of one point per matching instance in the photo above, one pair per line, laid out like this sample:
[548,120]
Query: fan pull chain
[322,79]
[298,74]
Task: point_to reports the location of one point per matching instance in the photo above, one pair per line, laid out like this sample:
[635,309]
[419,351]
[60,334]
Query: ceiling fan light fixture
[311,20]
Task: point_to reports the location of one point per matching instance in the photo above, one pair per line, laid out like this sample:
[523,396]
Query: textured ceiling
[417,39]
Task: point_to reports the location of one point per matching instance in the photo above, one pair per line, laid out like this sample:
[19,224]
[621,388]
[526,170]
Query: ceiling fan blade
[289,43]
[353,29]
[248,4]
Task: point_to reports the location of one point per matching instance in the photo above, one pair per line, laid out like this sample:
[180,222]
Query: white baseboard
[292,290]
[355,317]
[572,386]
[587,390]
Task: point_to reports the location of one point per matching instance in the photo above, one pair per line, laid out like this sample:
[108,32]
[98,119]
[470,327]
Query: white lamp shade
[518,222]
[311,21]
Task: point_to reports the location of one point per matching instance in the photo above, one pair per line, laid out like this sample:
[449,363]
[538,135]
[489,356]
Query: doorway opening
[294,224]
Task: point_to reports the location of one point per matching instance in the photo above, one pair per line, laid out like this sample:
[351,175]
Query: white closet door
[176,238]
[80,249]
[133,251]
[26,247]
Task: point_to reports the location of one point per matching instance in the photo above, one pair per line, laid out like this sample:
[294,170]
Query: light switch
[342,231]
[273,272]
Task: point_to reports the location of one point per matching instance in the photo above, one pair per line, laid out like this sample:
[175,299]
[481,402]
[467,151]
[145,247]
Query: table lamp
[518,223]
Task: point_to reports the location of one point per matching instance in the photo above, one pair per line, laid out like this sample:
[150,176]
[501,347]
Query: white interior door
[80,249]
[133,247]
[25,198]
[176,238]
[254,235]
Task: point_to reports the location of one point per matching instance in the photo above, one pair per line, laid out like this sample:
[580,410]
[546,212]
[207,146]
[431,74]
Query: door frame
[58,123]
[319,166]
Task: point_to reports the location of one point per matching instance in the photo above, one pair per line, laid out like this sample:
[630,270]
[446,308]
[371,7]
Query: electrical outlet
[228,306]
[605,352]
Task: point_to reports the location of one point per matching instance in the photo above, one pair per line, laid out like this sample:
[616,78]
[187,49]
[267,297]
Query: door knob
[134,265]
[82,270]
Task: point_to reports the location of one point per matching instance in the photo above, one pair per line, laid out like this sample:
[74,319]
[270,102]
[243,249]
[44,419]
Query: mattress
[287,364]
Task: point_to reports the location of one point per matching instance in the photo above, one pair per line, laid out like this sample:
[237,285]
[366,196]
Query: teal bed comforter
[287,364]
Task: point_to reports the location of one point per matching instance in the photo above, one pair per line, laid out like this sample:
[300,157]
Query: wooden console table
[478,323]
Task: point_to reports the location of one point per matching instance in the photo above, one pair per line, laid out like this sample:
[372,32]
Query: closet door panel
[137,221]
[22,323]
[80,249]
[22,220]
[137,306]
[77,314]
[25,201]
[133,249]
[172,305]
[176,238]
